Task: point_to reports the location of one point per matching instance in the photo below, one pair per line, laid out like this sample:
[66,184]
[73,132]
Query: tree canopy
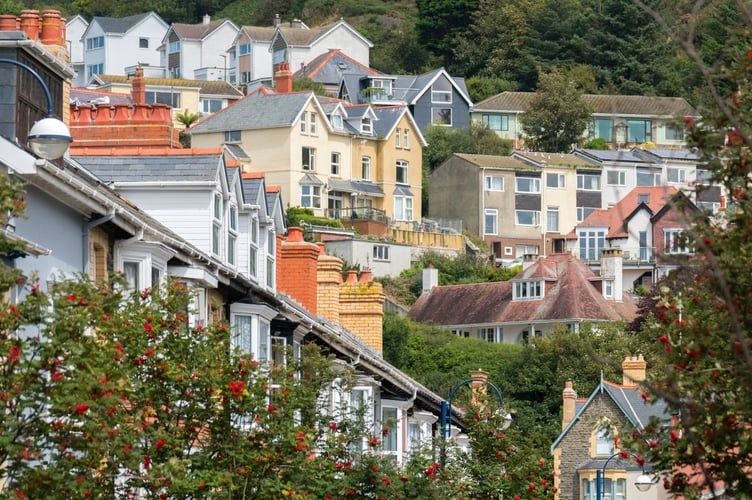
[557,116]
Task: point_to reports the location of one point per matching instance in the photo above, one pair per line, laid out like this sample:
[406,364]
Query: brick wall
[329,282]
[297,269]
[362,309]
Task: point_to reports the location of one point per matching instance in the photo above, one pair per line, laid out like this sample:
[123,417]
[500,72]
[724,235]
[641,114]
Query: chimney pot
[352,276]
[294,234]
[365,276]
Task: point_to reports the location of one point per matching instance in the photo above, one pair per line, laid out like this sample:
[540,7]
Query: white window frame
[217,224]
[494,183]
[584,239]
[438,116]
[534,185]
[680,174]
[253,250]
[535,214]
[303,122]
[365,167]
[559,180]
[308,158]
[312,123]
[398,139]
[310,196]
[260,317]
[404,167]
[381,252]
[528,290]
[336,163]
[491,218]
[608,289]
[403,208]
[366,125]
[490,334]
[550,211]
[583,212]
[232,136]
[585,182]
[655,177]
[616,178]
[671,239]
[405,138]
[149,259]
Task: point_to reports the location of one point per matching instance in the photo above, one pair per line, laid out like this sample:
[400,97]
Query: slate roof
[608,155]
[80,95]
[628,398]
[237,152]
[558,159]
[569,295]
[405,88]
[260,110]
[329,68]
[120,25]
[260,33]
[252,186]
[622,105]
[493,161]
[615,218]
[206,87]
[197,31]
[147,168]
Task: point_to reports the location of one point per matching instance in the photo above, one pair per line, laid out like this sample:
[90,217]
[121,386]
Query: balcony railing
[359,213]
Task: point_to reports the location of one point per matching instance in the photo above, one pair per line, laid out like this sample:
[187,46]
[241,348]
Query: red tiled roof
[253,175]
[273,189]
[145,151]
[613,218]
[569,296]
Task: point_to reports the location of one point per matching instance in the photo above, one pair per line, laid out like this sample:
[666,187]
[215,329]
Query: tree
[699,327]
[557,115]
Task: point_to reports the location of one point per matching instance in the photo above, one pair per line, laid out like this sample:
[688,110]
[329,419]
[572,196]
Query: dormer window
[366,126]
[337,122]
[604,442]
[526,290]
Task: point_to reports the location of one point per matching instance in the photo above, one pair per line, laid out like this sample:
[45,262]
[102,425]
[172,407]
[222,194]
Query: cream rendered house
[326,155]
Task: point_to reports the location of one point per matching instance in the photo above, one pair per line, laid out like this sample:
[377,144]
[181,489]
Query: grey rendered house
[434,98]
[621,120]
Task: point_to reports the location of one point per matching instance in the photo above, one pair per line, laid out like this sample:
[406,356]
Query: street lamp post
[446,411]
[49,137]
[642,483]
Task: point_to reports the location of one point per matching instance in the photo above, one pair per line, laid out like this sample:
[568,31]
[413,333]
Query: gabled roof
[652,198]
[254,190]
[206,87]
[124,169]
[199,31]
[122,25]
[628,398]
[307,36]
[621,105]
[422,84]
[259,33]
[329,68]
[387,118]
[613,156]
[570,296]
[256,111]
[237,152]
[405,88]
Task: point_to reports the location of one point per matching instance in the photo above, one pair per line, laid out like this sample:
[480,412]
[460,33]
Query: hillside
[606,46]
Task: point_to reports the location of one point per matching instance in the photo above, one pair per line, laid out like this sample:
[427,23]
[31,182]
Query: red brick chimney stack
[283,78]
[138,86]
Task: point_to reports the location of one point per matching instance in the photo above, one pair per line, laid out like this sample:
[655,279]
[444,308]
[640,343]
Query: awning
[362,188]
[311,179]
[402,191]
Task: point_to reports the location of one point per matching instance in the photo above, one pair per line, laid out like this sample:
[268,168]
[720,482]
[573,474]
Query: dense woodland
[605,46]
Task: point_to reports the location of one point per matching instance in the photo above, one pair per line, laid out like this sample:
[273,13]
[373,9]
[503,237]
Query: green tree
[698,324]
[557,115]
[441,21]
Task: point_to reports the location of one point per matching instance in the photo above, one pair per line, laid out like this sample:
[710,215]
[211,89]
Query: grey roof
[237,152]
[206,87]
[328,68]
[387,118]
[121,24]
[252,187]
[625,105]
[605,155]
[628,399]
[79,95]
[402,191]
[672,154]
[311,179]
[617,463]
[256,111]
[142,168]
[405,88]
[361,187]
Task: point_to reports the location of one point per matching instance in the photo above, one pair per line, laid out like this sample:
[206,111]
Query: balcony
[376,95]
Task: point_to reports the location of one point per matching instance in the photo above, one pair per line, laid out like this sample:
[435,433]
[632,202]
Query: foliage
[465,268]
[557,115]
[482,87]
[186,118]
[301,84]
[597,143]
[298,216]
[698,323]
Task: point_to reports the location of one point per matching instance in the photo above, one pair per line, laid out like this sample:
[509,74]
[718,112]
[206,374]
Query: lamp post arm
[446,430]
[38,78]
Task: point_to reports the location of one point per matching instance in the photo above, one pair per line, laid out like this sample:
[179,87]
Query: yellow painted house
[325,154]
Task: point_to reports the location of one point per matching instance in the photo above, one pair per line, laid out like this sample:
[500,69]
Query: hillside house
[558,289]
[590,427]
[622,121]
